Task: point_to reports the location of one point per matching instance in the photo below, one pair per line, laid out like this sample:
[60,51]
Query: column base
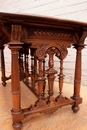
[78,100]
[17,126]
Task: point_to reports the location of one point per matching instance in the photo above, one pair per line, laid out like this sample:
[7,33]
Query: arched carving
[59,49]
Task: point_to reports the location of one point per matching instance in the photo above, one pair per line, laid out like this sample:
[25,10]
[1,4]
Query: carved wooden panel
[49,33]
[42,50]
[52,34]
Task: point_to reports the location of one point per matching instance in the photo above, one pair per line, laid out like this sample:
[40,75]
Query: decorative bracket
[79,37]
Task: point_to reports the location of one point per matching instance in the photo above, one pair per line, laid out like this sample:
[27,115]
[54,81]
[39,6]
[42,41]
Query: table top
[31,27]
[40,21]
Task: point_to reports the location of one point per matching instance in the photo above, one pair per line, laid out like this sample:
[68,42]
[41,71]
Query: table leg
[3,67]
[77,80]
[16,92]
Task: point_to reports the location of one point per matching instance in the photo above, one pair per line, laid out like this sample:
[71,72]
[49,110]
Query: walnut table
[31,40]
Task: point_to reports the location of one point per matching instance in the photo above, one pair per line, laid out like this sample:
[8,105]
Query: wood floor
[62,119]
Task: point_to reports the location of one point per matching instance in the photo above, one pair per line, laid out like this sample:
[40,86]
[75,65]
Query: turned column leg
[40,102]
[40,81]
[4,78]
[61,76]
[44,82]
[33,68]
[21,66]
[77,80]
[25,64]
[3,67]
[26,67]
[27,70]
[51,74]
[15,83]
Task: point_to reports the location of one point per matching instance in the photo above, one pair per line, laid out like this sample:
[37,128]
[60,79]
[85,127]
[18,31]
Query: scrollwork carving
[63,51]
[60,50]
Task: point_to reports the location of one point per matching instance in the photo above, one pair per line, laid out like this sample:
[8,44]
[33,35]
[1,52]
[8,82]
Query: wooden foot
[4,83]
[17,125]
[4,79]
[75,108]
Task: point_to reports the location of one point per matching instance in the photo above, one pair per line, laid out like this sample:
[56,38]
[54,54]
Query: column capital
[79,47]
[15,46]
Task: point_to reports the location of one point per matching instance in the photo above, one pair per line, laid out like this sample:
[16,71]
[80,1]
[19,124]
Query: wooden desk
[43,37]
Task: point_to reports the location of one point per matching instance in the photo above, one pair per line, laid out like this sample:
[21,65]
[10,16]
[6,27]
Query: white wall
[70,9]
[67,9]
